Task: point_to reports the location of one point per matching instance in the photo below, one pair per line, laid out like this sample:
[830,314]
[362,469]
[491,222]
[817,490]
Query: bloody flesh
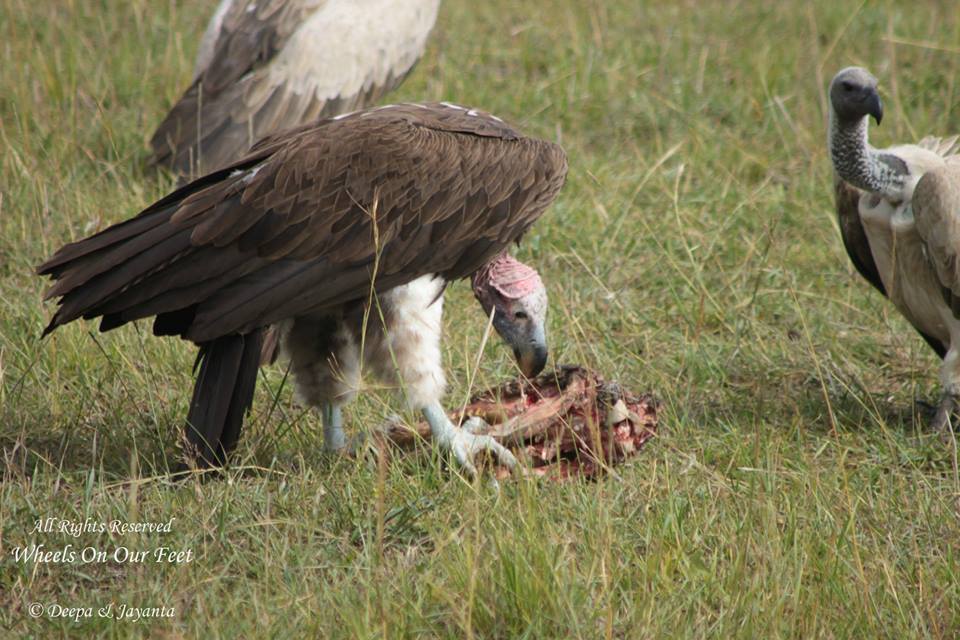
[565,423]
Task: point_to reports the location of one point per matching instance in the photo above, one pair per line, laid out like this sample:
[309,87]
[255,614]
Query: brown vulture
[899,215]
[268,65]
[372,212]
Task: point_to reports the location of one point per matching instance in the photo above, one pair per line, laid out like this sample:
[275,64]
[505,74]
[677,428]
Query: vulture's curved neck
[861,165]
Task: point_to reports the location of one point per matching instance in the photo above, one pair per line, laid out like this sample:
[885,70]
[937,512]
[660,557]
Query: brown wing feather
[852,233]
[291,230]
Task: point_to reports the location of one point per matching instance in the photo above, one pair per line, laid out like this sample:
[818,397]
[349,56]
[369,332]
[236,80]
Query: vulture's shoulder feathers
[310,217]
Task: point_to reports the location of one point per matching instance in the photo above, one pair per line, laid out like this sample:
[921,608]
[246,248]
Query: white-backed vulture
[399,200]
[267,65]
[899,215]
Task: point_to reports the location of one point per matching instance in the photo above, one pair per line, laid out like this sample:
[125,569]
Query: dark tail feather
[223,393]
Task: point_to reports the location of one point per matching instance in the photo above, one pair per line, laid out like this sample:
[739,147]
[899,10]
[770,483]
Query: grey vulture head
[853,95]
[297,235]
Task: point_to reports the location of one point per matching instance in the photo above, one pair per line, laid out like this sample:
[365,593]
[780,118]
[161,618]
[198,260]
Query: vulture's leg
[942,422]
[333,436]
[406,349]
[461,443]
[325,363]
[950,401]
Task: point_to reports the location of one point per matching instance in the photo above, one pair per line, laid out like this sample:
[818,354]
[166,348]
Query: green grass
[693,252]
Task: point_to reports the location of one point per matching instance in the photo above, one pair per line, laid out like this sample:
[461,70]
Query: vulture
[342,236]
[266,65]
[899,216]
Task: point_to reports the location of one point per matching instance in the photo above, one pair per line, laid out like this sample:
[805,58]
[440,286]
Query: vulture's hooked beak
[874,105]
[532,355]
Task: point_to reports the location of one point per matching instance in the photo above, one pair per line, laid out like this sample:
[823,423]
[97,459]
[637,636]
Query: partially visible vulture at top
[355,221]
[899,215]
[268,65]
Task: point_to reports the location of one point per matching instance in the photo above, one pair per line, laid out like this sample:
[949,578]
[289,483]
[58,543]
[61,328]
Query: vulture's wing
[936,211]
[279,63]
[851,232]
[306,223]
[250,35]
[858,247]
[211,37]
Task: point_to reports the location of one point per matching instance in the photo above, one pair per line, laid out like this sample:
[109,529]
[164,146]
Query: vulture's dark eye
[520,315]
[847,86]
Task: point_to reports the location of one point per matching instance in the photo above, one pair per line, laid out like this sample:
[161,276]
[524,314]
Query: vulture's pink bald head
[516,293]
[507,275]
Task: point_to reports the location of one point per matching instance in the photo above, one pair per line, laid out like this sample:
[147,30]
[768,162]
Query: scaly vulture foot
[942,419]
[463,442]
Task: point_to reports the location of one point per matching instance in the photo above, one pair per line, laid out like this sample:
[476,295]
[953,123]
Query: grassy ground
[693,252]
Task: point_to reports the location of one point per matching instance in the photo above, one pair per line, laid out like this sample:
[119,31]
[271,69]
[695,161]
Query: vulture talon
[476,426]
[463,444]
